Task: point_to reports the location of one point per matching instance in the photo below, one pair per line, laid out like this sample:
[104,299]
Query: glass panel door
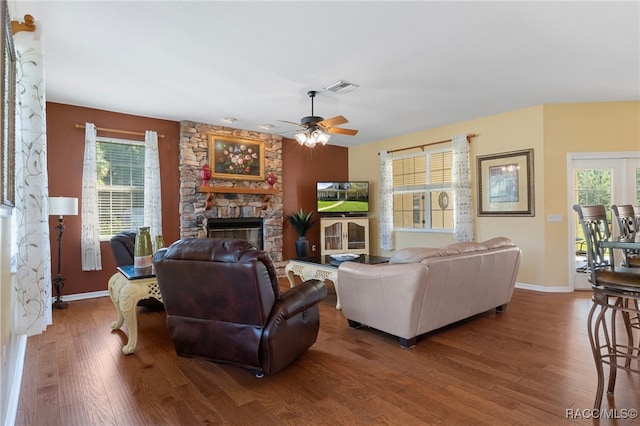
[603,181]
[333,237]
[356,240]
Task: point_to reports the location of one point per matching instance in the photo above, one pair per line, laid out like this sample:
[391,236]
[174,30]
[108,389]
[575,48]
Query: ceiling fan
[317,129]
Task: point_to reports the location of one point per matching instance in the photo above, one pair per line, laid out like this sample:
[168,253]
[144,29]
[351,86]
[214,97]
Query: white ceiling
[419,64]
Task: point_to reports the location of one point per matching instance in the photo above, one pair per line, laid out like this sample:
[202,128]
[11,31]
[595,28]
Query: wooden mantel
[212,190]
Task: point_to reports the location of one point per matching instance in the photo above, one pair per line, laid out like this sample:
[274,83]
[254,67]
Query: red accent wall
[65,153]
[302,168]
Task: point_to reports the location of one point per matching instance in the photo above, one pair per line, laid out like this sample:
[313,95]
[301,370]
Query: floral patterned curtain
[386,201]
[90,236]
[152,197]
[33,255]
[463,223]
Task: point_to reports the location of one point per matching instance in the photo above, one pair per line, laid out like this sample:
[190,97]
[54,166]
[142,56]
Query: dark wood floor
[527,366]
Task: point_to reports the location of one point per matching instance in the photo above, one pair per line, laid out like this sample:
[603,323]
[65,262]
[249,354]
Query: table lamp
[61,206]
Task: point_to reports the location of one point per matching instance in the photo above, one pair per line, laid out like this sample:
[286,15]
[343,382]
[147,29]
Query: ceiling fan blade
[287,131]
[340,131]
[333,121]
[291,122]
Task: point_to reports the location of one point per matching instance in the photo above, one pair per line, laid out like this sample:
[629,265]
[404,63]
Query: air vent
[340,86]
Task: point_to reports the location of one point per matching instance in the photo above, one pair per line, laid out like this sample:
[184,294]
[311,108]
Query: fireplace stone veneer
[194,153]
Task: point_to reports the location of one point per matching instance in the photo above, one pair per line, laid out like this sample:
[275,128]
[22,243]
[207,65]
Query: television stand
[344,235]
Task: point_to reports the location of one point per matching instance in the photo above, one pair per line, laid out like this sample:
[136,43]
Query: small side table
[125,294]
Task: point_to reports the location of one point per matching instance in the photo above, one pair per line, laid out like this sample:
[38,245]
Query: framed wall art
[236,158]
[505,184]
[8,95]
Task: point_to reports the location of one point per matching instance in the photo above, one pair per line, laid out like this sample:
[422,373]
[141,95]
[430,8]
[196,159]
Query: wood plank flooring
[526,366]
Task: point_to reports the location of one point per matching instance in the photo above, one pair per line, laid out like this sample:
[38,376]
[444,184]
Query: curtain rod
[124,132]
[469,137]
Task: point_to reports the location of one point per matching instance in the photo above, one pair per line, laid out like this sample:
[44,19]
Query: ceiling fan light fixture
[324,138]
[312,137]
[301,138]
[341,86]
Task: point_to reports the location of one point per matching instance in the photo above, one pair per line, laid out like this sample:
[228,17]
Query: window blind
[120,169]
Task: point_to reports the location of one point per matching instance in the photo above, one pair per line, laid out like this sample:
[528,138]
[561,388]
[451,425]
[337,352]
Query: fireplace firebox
[246,228]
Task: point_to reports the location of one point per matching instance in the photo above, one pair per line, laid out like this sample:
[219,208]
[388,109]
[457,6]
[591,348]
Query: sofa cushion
[466,247]
[498,242]
[416,254]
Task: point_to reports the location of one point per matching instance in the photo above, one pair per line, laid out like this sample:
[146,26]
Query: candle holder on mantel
[205,174]
[271,180]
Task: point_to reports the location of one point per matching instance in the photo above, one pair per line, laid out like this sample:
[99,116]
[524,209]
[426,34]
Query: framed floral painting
[236,158]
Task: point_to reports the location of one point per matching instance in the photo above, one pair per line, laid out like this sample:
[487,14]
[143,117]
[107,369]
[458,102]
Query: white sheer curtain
[90,238]
[152,197]
[33,255]
[463,214]
[386,201]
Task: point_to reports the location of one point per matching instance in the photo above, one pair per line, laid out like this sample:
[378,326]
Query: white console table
[310,271]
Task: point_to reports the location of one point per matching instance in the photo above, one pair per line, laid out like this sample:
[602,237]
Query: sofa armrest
[300,297]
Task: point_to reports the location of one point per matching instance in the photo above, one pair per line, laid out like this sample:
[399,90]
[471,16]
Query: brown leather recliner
[223,303]
[122,247]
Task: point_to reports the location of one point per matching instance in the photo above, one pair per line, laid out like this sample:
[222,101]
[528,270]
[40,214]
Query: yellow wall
[552,131]
[585,127]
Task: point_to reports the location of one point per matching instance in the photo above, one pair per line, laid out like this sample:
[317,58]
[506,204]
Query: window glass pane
[120,186]
[440,167]
[409,171]
[408,210]
[593,186]
[441,209]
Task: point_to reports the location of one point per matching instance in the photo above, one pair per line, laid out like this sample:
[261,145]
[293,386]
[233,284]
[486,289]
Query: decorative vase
[205,174]
[302,247]
[271,179]
[159,242]
[142,250]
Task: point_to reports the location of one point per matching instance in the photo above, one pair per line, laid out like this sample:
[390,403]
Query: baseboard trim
[16,382]
[543,289]
[82,296]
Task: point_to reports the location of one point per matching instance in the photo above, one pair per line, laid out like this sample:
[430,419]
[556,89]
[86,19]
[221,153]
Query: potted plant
[301,222]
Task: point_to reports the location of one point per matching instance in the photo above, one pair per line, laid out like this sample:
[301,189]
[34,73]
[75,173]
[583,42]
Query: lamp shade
[63,206]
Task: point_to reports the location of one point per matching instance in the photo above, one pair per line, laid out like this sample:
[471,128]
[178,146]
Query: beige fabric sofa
[423,289]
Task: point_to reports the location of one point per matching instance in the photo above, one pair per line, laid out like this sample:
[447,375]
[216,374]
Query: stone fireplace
[239,200]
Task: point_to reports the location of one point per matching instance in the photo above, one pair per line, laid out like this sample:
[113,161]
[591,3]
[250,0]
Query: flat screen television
[340,198]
